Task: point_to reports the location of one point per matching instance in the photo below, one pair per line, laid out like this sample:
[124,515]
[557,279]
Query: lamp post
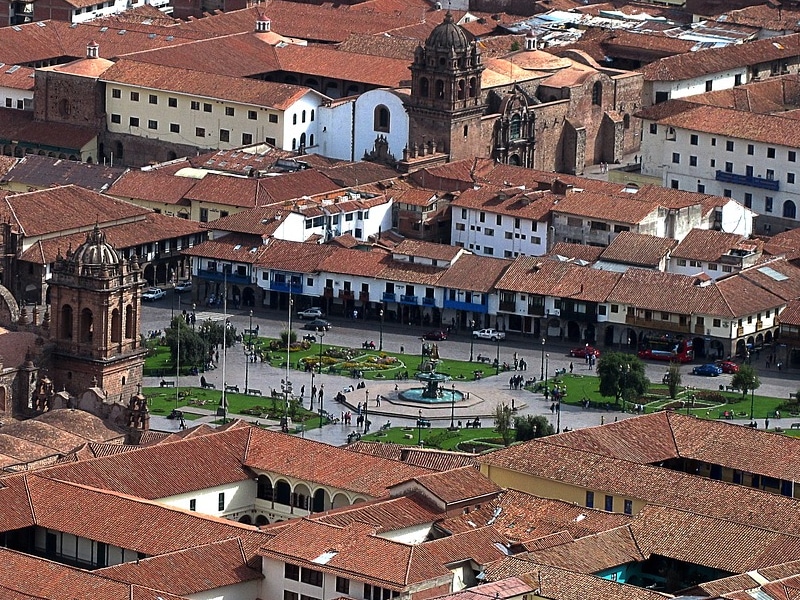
[248,349]
[321,334]
[419,428]
[471,339]
[622,381]
[546,370]
[752,400]
[558,416]
[497,358]
[380,343]
[194,318]
[453,407]
[541,377]
[366,418]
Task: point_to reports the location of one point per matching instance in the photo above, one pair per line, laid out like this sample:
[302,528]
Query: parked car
[728,366]
[708,370]
[436,335]
[153,293]
[583,351]
[183,286]
[317,324]
[489,334]
[314,312]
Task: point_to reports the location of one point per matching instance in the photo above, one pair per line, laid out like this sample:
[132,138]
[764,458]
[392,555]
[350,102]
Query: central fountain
[433,392]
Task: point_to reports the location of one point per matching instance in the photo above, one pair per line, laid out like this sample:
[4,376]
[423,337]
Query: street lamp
[194,317]
[471,338]
[366,418]
[452,407]
[321,334]
[542,375]
[419,428]
[247,351]
[558,416]
[497,358]
[622,381]
[380,343]
[546,371]
[752,400]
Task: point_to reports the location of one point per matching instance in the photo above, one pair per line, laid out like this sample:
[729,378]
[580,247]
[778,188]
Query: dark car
[436,335]
[708,370]
[317,324]
[728,366]
[583,351]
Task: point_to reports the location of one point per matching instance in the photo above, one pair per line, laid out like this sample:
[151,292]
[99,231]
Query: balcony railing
[508,306]
[536,309]
[285,286]
[750,180]
[327,292]
[405,299]
[218,276]
[363,297]
[347,294]
[428,301]
[389,297]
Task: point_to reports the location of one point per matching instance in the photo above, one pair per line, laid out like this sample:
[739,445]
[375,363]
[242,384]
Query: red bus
[667,349]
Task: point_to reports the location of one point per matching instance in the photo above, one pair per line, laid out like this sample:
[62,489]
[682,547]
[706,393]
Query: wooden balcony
[327,292]
[347,294]
[363,297]
[657,324]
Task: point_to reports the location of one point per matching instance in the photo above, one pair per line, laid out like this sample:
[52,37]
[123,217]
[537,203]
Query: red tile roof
[638,249]
[546,277]
[55,136]
[205,85]
[474,273]
[709,245]
[152,186]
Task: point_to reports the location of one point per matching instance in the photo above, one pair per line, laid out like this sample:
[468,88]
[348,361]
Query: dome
[447,35]
[95,250]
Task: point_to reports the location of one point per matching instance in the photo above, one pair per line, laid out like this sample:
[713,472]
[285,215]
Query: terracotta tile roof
[505,588]
[427,250]
[345,241]
[44,171]
[630,211]
[152,186]
[16,77]
[437,460]
[638,249]
[576,251]
[394,46]
[244,161]
[205,85]
[195,570]
[296,257]
[593,553]
[324,61]
[785,243]
[718,587]
[653,485]
[234,55]
[515,202]
[20,125]
[534,275]
[777,276]
[716,60]
[153,227]
[791,314]
[524,517]
[475,273]
[262,222]
[457,485]
[710,542]
[396,270]
[415,197]
[315,462]
[709,245]
[745,125]
[384,515]
[353,262]
[359,173]
[566,584]
[63,208]
[743,297]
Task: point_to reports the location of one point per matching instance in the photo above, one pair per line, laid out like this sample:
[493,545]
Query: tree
[212,331]
[502,422]
[530,427]
[194,348]
[285,335]
[622,377]
[746,379]
[673,378]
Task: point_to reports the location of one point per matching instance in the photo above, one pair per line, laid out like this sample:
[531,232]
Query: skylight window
[773,274]
[325,557]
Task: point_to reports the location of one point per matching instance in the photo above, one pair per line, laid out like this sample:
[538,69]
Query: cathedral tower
[95,301]
[446,106]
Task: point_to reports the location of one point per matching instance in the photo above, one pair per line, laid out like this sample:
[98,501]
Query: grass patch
[436,437]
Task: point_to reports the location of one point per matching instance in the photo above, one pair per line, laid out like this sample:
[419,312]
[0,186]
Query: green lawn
[440,438]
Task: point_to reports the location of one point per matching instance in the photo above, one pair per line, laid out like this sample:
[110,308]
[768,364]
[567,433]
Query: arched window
[381,118]
[473,87]
[312,115]
[264,491]
[66,322]
[294,143]
[597,93]
[515,127]
[304,117]
[87,326]
[462,89]
[294,119]
[303,139]
[626,121]
[116,326]
[789,210]
[311,140]
[129,322]
[440,89]
[424,87]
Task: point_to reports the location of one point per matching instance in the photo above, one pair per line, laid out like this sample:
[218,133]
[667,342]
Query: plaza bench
[232,388]
[253,392]
[795,426]
[165,383]
[208,386]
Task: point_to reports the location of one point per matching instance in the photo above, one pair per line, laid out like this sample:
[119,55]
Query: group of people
[517,382]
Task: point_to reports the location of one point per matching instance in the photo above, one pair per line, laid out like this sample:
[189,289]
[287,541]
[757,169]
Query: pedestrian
[313,392]
[302,391]
[377,399]
[766,423]
[571,366]
[602,419]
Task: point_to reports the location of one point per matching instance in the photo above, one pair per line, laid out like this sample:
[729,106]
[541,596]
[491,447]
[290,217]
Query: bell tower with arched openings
[95,306]
[445,106]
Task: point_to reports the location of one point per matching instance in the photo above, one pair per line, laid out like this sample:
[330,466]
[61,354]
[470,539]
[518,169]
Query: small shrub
[711,397]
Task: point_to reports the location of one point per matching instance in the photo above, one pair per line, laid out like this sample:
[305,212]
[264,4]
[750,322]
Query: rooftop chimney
[93,50]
